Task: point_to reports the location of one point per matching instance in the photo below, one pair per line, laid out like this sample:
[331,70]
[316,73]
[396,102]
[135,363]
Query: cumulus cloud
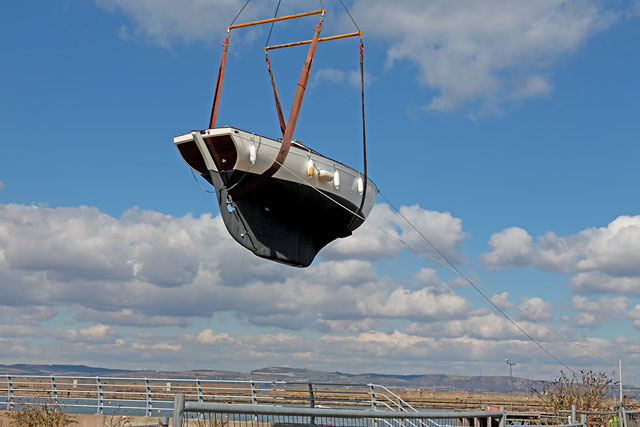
[482,54]
[93,334]
[512,246]
[112,278]
[603,260]
[334,75]
[635,315]
[207,336]
[592,314]
[165,22]
[369,242]
[150,269]
[537,308]
[488,326]
[425,303]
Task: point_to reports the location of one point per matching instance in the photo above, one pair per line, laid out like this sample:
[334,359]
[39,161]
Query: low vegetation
[587,390]
[44,414]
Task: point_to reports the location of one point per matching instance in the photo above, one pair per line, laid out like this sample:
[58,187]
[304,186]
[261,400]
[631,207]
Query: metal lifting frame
[287,135]
[288,128]
[323,39]
[225,46]
[223,58]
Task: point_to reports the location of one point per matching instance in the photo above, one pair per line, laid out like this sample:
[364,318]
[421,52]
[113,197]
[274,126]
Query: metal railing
[154,396]
[220,415]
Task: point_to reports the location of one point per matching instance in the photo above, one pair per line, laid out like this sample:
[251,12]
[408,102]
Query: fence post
[178,410]
[583,419]
[623,417]
[503,418]
[372,393]
[54,391]
[253,393]
[573,415]
[100,396]
[374,407]
[10,394]
[312,403]
[149,401]
[199,390]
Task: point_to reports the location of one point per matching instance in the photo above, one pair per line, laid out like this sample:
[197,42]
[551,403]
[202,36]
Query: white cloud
[369,242]
[537,308]
[26,315]
[424,304]
[333,75]
[489,326]
[92,334]
[427,277]
[150,269]
[164,22]
[207,336]
[592,314]
[163,346]
[512,246]
[482,54]
[603,260]
[126,287]
[635,315]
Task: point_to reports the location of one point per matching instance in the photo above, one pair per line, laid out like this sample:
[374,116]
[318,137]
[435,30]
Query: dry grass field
[468,400]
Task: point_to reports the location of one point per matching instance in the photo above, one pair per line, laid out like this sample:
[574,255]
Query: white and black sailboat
[277,197]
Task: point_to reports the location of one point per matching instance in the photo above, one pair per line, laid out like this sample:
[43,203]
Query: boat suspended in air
[279,198]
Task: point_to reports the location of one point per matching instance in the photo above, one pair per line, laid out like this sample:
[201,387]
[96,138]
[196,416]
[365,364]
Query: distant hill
[492,384]
[72,370]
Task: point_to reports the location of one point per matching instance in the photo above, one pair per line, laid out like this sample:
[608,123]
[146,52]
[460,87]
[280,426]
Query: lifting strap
[240,191]
[283,125]
[364,145]
[216,95]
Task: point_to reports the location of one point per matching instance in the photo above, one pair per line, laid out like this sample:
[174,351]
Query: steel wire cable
[477,285]
[451,267]
[348,13]
[272,24]
[238,15]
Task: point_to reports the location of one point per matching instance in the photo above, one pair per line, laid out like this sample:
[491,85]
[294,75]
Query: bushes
[46,414]
[587,390]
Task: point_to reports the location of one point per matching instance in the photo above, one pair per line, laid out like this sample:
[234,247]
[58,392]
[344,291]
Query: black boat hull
[281,220]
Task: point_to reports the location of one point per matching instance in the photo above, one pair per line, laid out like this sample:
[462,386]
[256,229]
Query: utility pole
[511,365]
[620,368]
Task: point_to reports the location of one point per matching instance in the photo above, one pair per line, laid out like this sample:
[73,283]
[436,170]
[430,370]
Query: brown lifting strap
[283,125]
[223,59]
[240,191]
[216,96]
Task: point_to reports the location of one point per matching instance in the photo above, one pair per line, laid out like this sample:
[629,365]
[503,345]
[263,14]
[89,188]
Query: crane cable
[451,267]
[478,286]
[238,15]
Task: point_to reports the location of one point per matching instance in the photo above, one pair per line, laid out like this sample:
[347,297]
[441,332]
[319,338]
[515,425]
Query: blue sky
[507,131]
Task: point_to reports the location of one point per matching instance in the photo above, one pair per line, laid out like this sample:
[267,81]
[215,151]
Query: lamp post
[511,365]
